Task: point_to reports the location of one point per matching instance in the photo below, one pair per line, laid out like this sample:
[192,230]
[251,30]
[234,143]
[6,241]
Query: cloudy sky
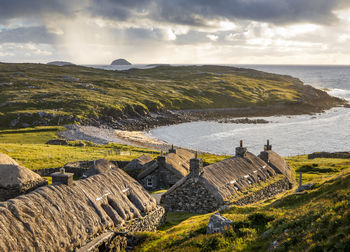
[176,31]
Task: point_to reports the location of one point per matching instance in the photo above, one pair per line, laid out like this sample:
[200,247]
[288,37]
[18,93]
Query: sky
[176,31]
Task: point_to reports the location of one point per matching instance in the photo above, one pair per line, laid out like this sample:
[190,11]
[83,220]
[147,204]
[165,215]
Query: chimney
[172,150]
[267,147]
[62,177]
[196,166]
[241,151]
[161,160]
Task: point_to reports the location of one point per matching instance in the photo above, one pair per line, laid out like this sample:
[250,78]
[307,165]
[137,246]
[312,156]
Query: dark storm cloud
[189,12]
[27,34]
[195,12]
[10,9]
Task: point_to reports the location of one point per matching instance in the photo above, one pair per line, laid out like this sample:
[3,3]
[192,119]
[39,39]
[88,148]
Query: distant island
[60,63]
[121,62]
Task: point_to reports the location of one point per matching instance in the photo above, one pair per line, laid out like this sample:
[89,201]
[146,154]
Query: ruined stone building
[79,215]
[205,189]
[163,172]
[15,179]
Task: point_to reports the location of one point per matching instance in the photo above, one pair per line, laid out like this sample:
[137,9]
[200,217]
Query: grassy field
[55,95]
[317,220]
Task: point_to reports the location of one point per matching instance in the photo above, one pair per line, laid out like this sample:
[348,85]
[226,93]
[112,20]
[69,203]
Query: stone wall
[192,197]
[329,155]
[14,191]
[119,239]
[265,193]
[78,171]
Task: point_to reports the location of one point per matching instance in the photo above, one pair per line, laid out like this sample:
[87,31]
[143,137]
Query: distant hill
[36,94]
[121,62]
[60,63]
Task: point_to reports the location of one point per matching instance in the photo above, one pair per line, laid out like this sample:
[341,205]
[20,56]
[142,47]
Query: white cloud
[213,37]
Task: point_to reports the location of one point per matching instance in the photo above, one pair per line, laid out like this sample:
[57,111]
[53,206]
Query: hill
[120,62]
[37,94]
[60,63]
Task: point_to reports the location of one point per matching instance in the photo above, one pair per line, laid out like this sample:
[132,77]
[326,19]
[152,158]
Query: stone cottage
[205,189]
[275,161]
[15,179]
[136,166]
[166,170]
[99,166]
[83,216]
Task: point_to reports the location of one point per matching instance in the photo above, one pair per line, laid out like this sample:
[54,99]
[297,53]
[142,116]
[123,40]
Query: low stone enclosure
[239,180]
[345,155]
[15,179]
[88,214]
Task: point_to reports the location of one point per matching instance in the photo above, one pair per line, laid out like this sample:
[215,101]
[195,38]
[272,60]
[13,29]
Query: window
[149,182]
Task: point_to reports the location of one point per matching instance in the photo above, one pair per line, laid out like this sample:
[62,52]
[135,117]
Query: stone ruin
[83,215]
[16,180]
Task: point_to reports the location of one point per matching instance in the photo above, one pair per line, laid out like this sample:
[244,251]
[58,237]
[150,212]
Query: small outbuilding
[99,166]
[136,166]
[205,189]
[163,172]
[16,180]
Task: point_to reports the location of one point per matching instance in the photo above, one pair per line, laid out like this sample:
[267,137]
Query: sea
[289,135]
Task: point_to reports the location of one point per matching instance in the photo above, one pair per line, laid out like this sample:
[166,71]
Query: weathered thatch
[177,163]
[62,218]
[99,166]
[136,166]
[12,174]
[16,179]
[276,162]
[224,179]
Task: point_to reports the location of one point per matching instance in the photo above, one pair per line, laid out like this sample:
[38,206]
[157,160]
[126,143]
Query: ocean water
[289,135]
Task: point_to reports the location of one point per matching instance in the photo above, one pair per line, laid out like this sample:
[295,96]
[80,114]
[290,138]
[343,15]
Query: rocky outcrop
[218,224]
[120,62]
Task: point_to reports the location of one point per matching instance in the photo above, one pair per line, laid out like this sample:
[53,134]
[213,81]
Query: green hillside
[36,94]
[316,220]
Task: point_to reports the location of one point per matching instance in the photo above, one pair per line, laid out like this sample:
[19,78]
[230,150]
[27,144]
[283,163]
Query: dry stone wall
[14,191]
[190,197]
[265,193]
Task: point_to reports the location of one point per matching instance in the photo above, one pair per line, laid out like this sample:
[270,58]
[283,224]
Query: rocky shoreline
[144,120]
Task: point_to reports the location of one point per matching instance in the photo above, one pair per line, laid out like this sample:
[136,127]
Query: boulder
[218,224]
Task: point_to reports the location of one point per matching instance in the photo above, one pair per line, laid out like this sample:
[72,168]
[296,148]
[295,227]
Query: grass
[52,95]
[317,220]
[28,147]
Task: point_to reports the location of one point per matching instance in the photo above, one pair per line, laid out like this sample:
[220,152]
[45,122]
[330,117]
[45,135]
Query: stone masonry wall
[265,193]
[192,197]
[14,191]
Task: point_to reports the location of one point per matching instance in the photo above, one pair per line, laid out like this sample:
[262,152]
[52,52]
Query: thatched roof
[12,174]
[138,165]
[99,166]
[224,178]
[277,163]
[178,163]
[61,217]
